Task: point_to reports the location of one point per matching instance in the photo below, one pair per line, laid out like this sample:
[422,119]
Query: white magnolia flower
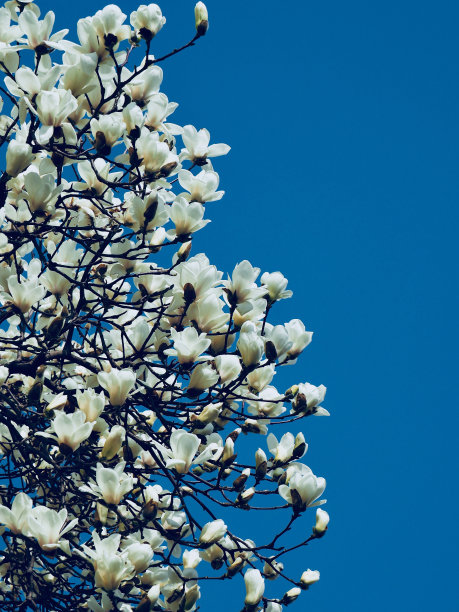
[18,157]
[308,577]
[108,23]
[291,595]
[107,129]
[273,607]
[202,187]
[183,448]
[276,283]
[111,567]
[255,587]
[118,384]
[16,519]
[139,555]
[38,32]
[202,377]
[242,286]
[191,559]
[148,20]
[250,345]
[71,429]
[188,345]
[41,192]
[113,442]
[158,109]
[309,398]
[91,403]
[307,486]
[261,377]
[228,366]
[53,108]
[197,146]
[113,484]
[299,337]
[187,217]
[155,155]
[141,88]
[47,526]
[24,293]
[213,532]
[282,450]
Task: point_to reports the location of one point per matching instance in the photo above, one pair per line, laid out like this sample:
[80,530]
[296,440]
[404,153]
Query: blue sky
[342,117]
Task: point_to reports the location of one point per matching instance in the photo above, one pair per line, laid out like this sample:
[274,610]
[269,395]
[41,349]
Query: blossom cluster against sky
[342,118]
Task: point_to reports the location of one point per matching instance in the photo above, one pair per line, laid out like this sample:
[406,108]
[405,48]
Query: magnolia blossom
[91,403]
[308,577]
[213,532]
[148,20]
[113,484]
[188,345]
[111,567]
[276,284]
[118,384]
[71,429]
[18,156]
[197,146]
[24,293]
[183,450]
[255,587]
[307,487]
[47,526]
[202,187]
[16,519]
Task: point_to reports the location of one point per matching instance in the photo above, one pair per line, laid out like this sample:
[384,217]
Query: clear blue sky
[343,174]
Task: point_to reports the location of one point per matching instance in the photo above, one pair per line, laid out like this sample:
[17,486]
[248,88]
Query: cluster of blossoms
[136,398]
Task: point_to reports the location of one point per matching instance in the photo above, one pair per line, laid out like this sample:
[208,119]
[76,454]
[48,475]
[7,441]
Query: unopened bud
[300,446]
[309,577]
[113,442]
[189,293]
[290,596]
[201,18]
[184,251]
[261,464]
[246,496]
[322,519]
[291,392]
[240,481]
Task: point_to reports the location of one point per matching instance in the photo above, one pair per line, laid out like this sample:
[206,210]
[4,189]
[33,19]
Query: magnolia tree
[136,398]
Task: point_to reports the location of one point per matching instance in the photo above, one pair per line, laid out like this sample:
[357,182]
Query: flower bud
[201,18]
[18,157]
[290,596]
[255,587]
[309,577]
[240,481]
[246,496]
[300,446]
[322,519]
[261,464]
[113,442]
